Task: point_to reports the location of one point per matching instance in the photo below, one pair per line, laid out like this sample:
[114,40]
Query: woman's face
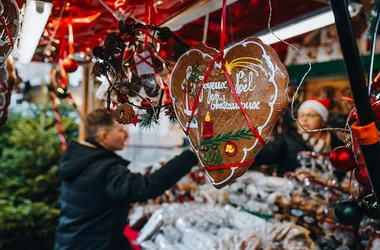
[309,119]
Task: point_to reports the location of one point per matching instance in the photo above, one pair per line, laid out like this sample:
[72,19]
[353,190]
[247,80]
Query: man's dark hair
[97,120]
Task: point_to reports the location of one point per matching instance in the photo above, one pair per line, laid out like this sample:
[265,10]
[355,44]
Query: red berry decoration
[146,103]
[342,159]
[121,99]
[70,65]
[376,111]
[361,175]
[167,101]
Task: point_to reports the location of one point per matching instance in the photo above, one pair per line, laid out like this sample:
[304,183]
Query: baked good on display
[225,135]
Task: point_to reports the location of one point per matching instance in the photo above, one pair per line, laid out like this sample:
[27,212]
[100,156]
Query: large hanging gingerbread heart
[219,132]
[9,27]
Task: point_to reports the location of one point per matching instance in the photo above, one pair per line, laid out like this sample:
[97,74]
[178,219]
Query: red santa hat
[319,105]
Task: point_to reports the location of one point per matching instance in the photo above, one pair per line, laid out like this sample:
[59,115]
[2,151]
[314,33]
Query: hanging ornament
[69,63]
[124,61]
[370,207]
[58,81]
[8,79]
[343,159]
[62,93]
[9,28]
[361,175]
[124,113]
[348,213]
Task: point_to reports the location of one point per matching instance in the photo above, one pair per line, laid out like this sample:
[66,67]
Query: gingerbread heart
[9,27]
[219,132]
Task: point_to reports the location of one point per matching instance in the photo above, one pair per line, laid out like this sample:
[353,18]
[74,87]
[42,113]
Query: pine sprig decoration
[148,120]
[230,136]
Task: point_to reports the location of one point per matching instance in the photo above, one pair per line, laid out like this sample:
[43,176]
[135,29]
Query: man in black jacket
[97,188]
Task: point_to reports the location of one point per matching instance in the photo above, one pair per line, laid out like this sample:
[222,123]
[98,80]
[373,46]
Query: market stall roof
[93,19]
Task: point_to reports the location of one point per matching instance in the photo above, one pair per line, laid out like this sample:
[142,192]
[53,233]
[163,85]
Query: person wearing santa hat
[283,150]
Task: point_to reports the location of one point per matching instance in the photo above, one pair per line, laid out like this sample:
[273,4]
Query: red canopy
[92,20]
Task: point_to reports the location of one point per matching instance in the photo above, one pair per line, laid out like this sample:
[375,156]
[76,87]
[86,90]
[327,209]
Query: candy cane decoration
[58,120]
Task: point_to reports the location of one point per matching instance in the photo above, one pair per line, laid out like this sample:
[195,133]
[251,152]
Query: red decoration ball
[342,159]
[70,65]
[361,175]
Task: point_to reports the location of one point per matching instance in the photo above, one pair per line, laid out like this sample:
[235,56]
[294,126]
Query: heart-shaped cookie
[219,132]
[9,27]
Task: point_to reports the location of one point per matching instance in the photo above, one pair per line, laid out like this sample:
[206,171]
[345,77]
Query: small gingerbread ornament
[124,113]
[9,28]
[8,79]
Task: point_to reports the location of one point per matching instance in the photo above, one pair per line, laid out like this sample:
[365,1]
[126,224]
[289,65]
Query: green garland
[230,136]
[148,120]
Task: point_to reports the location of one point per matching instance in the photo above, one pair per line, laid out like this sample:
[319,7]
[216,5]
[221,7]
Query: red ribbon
[222,30]
[58,120]
[148,19]
[221,55]
[232,165]
[142,59]
[200,91]
[7,31]
[261,140]
[63,74]
[131,9]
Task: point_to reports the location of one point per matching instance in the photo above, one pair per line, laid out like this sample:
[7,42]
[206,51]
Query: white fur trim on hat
[317,106]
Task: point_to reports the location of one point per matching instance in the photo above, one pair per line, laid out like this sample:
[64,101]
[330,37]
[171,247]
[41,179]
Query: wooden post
[359,89]
[85,92]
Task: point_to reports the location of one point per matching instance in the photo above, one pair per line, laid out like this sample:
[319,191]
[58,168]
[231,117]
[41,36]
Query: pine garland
[230,136]
[210,147]
[148,120]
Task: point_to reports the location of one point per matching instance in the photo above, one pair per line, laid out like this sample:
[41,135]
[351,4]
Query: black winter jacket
[97,190]
[283,151]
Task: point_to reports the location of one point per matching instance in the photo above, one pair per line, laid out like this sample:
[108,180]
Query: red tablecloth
[131,235]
